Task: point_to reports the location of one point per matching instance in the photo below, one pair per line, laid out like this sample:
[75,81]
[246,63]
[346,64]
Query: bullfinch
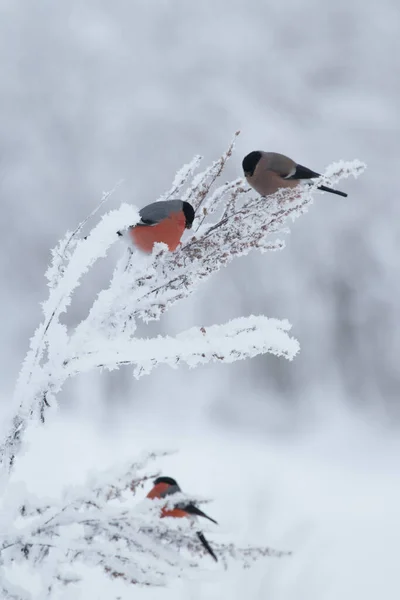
[267,172]
[163,221]
[166,486]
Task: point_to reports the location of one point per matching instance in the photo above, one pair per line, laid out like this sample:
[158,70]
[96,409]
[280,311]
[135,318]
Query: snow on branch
[236,340]
[103,524]
[98,524]
[230,222]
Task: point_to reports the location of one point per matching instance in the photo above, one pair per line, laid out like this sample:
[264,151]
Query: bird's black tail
[206,545]
[323,188]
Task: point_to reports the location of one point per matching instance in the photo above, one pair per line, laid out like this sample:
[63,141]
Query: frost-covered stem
[71,259]
[130,541]
[127,539]
[144,287]
[239,339]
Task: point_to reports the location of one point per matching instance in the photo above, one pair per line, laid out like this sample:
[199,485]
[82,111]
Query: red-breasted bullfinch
[267,172]
[163,221]
[166,486]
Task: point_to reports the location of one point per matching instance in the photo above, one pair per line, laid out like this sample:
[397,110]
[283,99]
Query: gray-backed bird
[267,172]
[166,486]
[163,221]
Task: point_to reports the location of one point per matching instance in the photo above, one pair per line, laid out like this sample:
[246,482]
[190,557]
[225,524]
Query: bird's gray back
[279,163]
[157,211]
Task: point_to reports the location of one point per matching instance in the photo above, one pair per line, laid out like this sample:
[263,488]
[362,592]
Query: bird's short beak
[189,226]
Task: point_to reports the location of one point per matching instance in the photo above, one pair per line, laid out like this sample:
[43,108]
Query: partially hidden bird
[267,172]
[163,221]
[166,486]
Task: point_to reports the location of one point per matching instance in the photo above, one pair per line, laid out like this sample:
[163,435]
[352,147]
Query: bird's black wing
[206,545]
[192,509]
[303,173]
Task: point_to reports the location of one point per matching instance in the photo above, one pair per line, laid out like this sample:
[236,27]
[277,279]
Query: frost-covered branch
[236,340]
[98,524]
[230,222]
[105,524]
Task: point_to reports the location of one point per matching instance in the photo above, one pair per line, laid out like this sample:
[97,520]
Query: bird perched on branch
[163,221]
[166,486]
[267,172]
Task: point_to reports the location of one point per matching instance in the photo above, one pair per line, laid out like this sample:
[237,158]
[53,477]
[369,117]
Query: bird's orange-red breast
[160,490]
[166,486]
[163,221]
[169,231]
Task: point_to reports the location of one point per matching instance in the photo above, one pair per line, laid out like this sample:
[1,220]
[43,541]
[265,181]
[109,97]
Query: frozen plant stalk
[230,222]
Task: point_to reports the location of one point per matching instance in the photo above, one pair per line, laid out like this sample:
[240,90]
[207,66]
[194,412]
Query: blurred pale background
[92,92]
